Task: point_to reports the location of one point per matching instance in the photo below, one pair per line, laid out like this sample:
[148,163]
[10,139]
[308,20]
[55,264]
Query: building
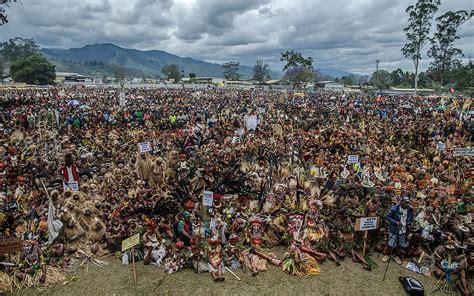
[330,85]
[277,84]
[72,77]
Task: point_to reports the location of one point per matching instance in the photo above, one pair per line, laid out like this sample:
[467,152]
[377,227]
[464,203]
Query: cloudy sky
[339,34]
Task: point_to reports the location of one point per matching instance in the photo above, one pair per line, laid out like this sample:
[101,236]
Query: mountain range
[102,59]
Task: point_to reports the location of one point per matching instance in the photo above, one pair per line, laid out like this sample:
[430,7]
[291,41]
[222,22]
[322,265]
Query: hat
[186,214]
[405,199]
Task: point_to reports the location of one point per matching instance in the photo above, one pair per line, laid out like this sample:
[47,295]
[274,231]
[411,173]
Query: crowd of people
[214,179]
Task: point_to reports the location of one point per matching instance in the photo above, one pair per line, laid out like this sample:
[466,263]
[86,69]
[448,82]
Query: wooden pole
[133,265]
[366,234]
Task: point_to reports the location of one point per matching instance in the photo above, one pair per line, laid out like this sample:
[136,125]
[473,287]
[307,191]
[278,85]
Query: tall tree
[119,73]
[348,80]
[3,15]
[442,48]
[3,66]
[420,16]
[18,48]
[462,77]
[381,79]
[261,71]
[396,77]
[172,71]
[231,70]
[298,68]
[295,59]
[33,69]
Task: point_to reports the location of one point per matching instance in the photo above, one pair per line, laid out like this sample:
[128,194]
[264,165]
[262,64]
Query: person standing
[69,172]
[399,219]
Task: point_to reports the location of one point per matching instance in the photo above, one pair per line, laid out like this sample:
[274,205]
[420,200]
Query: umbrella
[85,107]
[73,102]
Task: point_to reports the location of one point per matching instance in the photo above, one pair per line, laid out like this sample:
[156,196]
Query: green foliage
[420,16]
[33,69]
[298,68]
[442,48]
[381,79]
[231,70]
[17,48]
[3,66]
[462,77]
[172,71]
[261,71]
[348,80]
[119,73]
[295,59]
[3,15]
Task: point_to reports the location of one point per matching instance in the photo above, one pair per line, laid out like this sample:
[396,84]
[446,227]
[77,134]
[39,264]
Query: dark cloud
[340,34]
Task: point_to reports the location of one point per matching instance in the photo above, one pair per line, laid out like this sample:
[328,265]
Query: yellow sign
[130,242]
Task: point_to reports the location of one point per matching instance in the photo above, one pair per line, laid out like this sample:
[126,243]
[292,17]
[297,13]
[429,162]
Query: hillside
[97,58]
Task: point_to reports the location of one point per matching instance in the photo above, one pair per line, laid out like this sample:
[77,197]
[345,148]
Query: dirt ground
[347,279]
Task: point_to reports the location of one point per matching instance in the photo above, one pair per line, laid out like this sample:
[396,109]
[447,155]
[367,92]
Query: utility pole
[377,72]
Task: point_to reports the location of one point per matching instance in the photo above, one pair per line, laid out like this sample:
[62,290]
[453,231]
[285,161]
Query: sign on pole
[144,147]
[352,159]
[367,223]
[73,185]
[207,198]
[459,151]
[130,242]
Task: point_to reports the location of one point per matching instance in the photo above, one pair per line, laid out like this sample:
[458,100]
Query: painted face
[256,233]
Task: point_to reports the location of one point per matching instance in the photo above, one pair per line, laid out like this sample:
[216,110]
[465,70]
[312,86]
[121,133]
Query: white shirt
[70,176]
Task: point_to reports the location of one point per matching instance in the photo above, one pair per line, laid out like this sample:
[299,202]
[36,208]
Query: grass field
[347,279]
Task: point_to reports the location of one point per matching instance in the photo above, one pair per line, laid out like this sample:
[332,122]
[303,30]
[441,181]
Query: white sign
[144,147]
[367,223]
[353,159]
[207,198]
[74,186]
[440,146]
[463,151]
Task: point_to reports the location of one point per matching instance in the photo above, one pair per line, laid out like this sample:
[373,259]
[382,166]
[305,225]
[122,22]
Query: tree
[442,50]
[104,78]
[396,77]
[381,79]
[298,68]
[18,47]
[3,66]
[348,80]
[231,70]
[34,69]
[295,59]
[172,71]
[462,76]
[261,71]
[119,73]
[299,75]
[420,16]
[3,16]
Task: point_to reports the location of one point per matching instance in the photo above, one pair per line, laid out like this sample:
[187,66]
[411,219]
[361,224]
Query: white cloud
[339,34]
